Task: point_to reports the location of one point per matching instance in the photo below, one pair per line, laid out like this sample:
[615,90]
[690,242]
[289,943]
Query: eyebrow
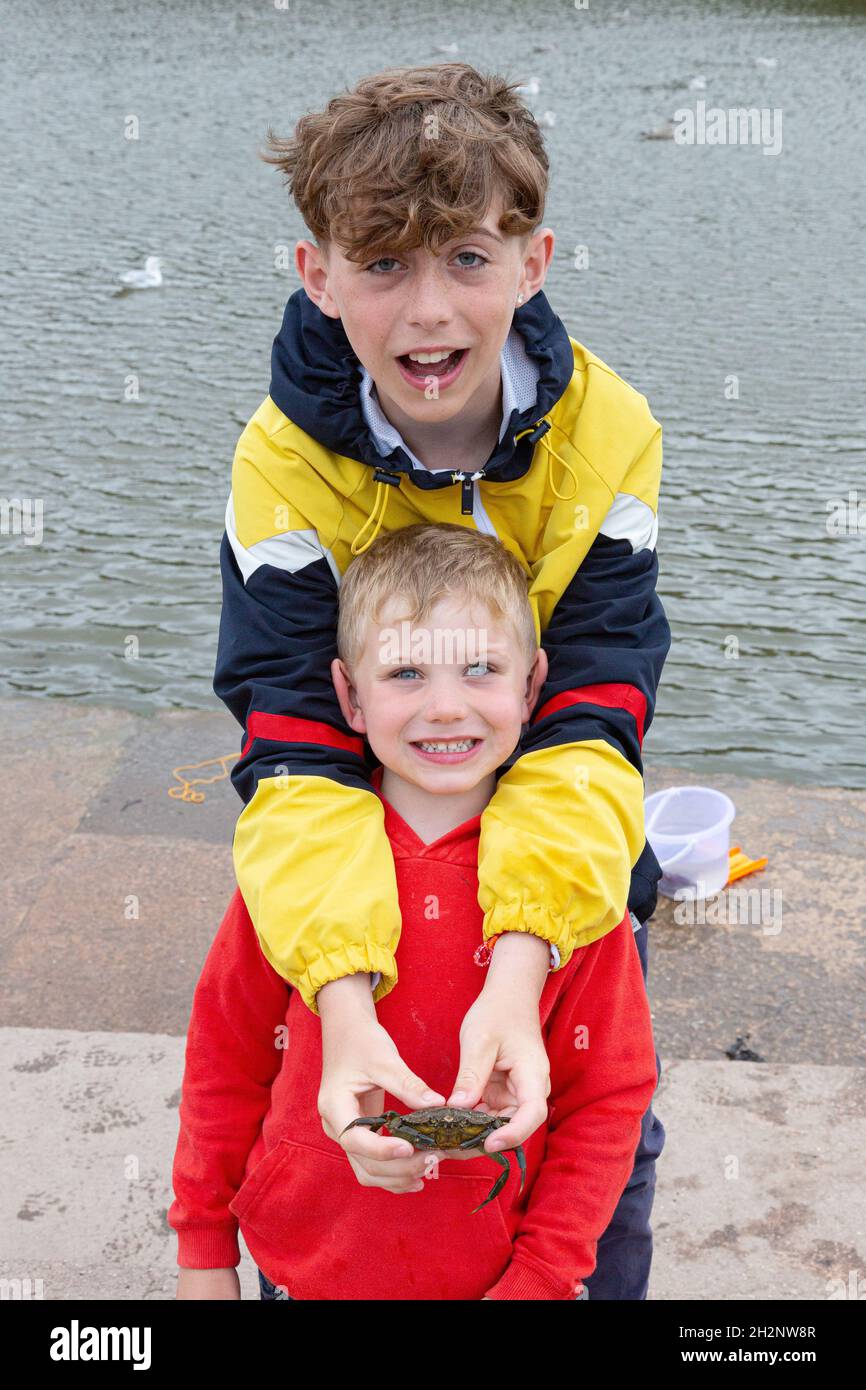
[479,231]
[491,649]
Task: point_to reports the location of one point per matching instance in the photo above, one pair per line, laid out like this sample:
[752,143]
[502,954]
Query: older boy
[439,669]
[421,375]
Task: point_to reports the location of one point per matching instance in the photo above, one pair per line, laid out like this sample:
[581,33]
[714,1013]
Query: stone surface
[759,1187]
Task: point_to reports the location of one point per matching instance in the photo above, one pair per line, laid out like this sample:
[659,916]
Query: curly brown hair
[414,157]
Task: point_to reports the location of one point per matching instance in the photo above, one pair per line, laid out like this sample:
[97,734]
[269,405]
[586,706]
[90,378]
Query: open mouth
[446,750]
[418,368]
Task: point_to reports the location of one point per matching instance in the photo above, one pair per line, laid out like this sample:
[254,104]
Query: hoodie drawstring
[538,435]
[384,480]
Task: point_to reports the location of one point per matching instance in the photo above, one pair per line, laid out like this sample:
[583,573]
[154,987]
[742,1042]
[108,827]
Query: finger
[409,1088]
[476,1064]
[389,1184]
[524,1122]
[498,1096]
[363,1144]
[393,1169]
[338,1107]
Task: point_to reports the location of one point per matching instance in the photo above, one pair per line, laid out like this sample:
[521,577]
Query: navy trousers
[625,1250]
[272,1292]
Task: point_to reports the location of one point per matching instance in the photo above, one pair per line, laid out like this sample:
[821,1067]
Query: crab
[448,1127]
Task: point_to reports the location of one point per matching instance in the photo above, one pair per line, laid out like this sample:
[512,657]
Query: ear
[536,260]
[534,681]
[311,263]
[347,696]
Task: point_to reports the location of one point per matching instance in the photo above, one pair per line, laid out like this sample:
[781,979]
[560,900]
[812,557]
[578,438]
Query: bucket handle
[657,809]
[665,864]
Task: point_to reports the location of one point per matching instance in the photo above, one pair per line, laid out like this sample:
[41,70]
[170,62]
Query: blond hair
[415,157]
[423,564]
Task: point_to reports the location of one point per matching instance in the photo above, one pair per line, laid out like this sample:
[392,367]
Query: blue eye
[476,256]
[404,671]
[382,259]
[486,671]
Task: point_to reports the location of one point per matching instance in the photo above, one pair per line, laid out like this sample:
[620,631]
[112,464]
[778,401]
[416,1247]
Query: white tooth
[455,746]
[425,357]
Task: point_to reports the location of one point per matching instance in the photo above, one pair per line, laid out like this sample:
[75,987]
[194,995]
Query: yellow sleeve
[558,840]
[316,872]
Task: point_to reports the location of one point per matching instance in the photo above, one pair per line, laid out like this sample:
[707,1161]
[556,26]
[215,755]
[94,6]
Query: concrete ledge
[760,1189]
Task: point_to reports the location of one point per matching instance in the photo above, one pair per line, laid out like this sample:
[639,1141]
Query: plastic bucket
[689,829]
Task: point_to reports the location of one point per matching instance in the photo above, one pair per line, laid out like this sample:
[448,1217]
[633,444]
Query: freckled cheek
[369,333]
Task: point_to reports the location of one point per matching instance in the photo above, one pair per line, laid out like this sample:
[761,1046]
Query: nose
[446,702]
[428,307]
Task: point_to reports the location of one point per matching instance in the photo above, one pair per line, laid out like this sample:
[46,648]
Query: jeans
[625,1250]
[274,1293]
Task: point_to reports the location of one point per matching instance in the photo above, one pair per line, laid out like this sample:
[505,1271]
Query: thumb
[404,1085]
[476,1064]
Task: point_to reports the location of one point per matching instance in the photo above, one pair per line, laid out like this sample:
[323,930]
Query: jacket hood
[316,383]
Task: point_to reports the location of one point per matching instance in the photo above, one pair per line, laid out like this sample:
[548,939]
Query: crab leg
[500,1181]
[415,1137]
[521,1163]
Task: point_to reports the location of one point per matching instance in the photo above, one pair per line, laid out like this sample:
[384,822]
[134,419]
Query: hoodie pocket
[255,1183]
[328,1237]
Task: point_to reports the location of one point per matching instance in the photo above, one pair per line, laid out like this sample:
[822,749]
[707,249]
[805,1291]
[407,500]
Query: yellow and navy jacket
[572,490]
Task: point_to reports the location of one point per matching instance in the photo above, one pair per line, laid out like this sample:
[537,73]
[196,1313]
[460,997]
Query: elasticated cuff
[351,959]
[208,1247]
[523,1281]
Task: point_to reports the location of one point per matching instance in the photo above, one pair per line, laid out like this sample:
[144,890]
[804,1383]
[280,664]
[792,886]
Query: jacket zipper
[467,481]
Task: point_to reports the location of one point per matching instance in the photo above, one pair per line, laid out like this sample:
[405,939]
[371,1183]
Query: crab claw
[372,1121]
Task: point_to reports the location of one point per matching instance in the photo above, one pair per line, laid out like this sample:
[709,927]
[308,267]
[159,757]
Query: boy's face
[442,703]
[460,301]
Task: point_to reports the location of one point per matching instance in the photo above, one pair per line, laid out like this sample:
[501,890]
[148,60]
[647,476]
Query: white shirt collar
[519,385]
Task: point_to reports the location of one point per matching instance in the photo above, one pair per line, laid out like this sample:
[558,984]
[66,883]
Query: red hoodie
[251,1149]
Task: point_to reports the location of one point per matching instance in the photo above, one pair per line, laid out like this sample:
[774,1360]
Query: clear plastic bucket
[689,829]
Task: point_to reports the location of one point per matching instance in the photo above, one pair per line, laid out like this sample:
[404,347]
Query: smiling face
[442,702]
[454,307]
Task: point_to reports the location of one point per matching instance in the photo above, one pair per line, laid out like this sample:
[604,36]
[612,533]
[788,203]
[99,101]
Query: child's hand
[208,1283]
[359,1063]
[503,1062]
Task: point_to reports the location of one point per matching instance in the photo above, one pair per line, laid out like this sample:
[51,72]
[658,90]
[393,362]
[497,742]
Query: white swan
[530,88]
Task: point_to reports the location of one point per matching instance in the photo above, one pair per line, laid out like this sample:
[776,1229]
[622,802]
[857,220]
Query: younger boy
[439,669]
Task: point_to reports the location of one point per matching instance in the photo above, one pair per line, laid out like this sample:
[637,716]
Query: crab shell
[448,1127]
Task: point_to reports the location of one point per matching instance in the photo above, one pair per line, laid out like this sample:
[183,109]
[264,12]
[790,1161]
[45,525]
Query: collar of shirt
[519,382]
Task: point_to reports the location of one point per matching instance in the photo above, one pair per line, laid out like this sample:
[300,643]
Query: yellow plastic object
[741,864]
